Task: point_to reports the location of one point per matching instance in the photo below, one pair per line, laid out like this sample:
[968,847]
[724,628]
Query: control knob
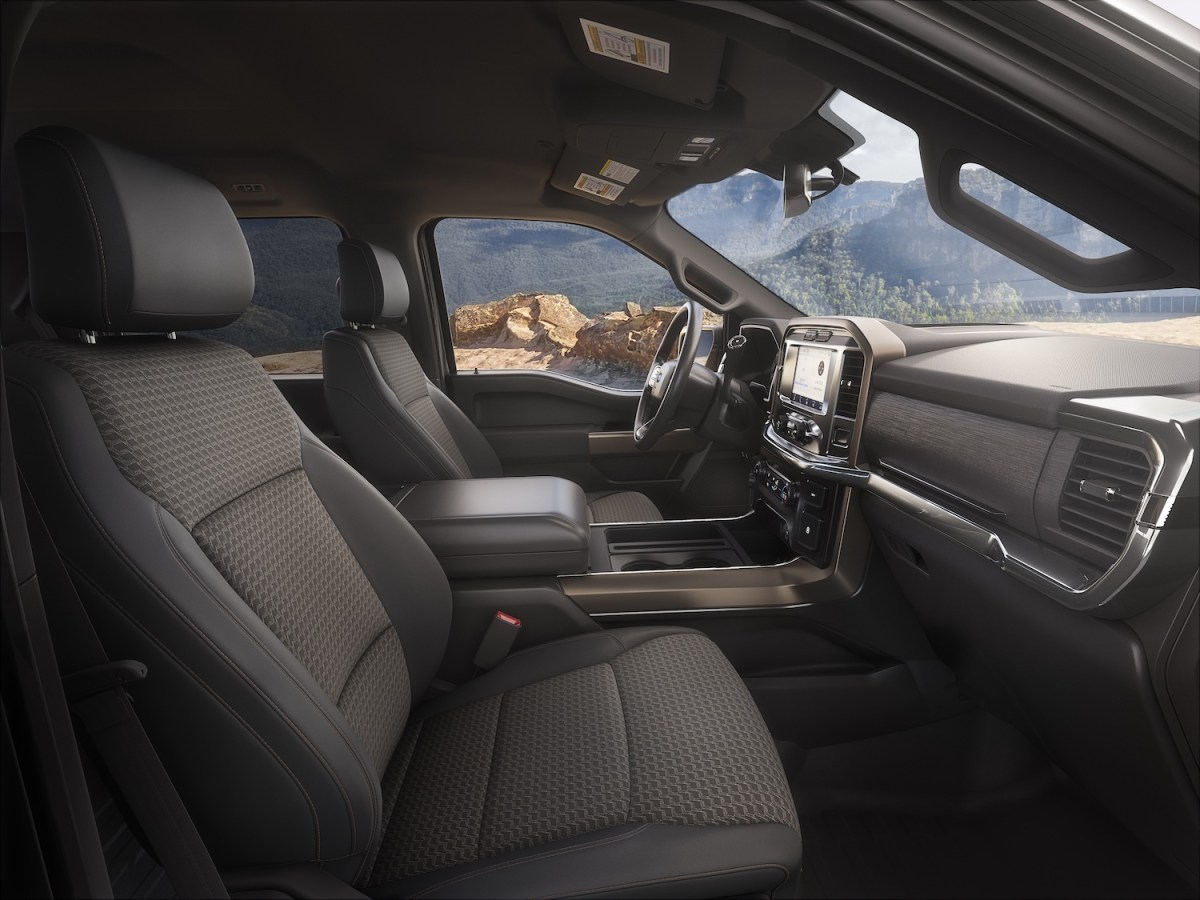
[798,428]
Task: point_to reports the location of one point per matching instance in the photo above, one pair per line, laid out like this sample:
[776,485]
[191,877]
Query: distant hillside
[483,260]
[872,248]
[295,302]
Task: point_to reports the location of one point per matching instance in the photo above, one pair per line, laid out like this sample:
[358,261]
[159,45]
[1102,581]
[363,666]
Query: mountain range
[872,248]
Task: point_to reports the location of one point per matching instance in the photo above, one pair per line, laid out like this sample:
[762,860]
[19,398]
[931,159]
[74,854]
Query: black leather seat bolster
[392,448]
[472,444]
[265,763]
[644,860]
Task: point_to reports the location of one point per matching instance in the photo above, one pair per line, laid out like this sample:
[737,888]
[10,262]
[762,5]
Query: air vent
[1103,492]
[850,386]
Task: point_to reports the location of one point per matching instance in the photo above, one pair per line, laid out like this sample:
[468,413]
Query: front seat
[399,428]
[292,621]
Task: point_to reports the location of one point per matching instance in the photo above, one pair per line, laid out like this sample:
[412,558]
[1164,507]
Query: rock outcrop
[625,340]
[546,331]
[531,321]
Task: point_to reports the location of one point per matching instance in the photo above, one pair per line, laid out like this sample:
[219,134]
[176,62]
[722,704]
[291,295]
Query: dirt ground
[1182,330]
[302,362]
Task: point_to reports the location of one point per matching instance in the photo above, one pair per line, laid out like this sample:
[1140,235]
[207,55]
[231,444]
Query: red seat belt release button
[498,640]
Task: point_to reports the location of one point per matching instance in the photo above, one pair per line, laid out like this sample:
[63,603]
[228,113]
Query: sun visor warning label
[606,190]
[619,171]
[627,46]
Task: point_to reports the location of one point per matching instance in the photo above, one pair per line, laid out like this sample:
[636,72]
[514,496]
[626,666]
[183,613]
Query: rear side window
[295,301]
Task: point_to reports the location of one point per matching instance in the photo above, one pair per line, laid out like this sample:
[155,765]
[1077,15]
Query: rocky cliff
[545,331]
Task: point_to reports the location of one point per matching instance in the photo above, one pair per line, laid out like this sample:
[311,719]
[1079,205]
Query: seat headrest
[121,242]
[372,286]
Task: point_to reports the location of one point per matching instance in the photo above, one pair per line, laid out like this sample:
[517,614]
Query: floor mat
[1054,846]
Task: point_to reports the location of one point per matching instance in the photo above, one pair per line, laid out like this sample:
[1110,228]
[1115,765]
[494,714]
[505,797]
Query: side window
[550,296]
[295,301]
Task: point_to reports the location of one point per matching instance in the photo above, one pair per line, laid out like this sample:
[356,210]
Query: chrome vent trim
[850,384]
[1102,495]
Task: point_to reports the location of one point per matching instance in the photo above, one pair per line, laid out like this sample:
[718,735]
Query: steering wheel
[668,378]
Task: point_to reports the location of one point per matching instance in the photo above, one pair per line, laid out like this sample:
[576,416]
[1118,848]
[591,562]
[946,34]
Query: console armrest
[500,527]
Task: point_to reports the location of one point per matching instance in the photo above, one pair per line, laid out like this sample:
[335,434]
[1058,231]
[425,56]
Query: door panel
[541,423]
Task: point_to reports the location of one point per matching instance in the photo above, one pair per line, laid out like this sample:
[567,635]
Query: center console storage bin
[665,545]
[501,527]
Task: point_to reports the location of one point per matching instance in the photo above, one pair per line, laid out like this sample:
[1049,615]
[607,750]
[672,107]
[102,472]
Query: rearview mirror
[799,184]
[797,189]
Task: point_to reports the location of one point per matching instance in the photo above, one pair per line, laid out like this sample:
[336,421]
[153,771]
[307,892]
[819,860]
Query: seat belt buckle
[98,679]
[497,640]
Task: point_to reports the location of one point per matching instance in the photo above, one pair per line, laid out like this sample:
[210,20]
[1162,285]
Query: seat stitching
[388,427]
[487,790]
[216,509]
[370,858]
[413,402]
[375,313]
[229,614]
[538,680]
[676,878]
[513,863]
[358,662]
[92,213]
[415,430]
[405,404]
[628,760]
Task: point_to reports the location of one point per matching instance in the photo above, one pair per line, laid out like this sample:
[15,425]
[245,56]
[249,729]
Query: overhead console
[662,103]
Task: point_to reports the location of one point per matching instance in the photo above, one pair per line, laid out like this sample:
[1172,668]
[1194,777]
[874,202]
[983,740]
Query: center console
[500,527]
[811,429]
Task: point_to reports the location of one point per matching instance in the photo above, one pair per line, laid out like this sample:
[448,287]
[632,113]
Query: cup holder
[644,565]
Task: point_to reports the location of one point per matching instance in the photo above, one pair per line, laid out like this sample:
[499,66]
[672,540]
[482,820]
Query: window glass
[1036,214]
[876,247]
[551,296]
[295,299]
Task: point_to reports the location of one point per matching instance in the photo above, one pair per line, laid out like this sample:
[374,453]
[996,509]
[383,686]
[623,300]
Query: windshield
[876,247]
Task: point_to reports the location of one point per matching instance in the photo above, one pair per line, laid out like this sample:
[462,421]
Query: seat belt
[95,688]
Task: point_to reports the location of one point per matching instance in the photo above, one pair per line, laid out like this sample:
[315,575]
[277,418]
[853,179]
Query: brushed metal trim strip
[973,505]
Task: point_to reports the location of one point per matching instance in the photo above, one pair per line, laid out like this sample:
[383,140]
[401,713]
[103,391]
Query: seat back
[398,427]
[287,614]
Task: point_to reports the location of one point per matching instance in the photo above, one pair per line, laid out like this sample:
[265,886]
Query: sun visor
[615,163]
[644,49]
[600,177]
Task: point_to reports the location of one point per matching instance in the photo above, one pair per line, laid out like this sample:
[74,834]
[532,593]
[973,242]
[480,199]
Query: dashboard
[1036,499]
[1057,458]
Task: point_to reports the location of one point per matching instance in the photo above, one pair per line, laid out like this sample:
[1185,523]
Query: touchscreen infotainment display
[812,377]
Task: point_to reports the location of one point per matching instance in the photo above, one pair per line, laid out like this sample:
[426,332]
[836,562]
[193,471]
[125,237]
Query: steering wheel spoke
[667,379]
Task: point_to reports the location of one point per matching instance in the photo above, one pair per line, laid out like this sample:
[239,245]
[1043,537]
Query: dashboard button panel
[803,505]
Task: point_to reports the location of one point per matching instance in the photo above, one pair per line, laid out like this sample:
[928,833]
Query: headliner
[325,101]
